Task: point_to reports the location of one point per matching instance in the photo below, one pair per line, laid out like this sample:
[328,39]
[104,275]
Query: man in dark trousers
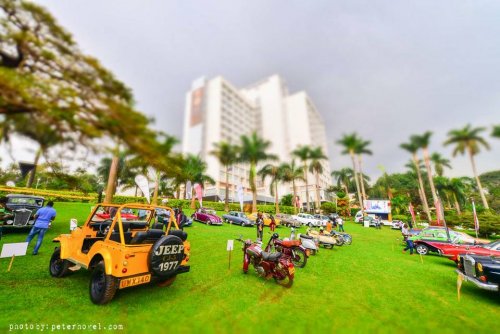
[260,226]
[43,220]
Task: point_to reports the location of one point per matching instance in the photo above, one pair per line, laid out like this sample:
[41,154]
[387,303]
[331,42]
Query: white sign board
[230,245]
[14,249]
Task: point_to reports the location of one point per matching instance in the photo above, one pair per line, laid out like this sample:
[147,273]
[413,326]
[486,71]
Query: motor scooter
[275,265]
[311,245]
[291,248]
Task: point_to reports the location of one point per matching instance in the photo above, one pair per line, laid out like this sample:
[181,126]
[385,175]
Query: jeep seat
[149,236]
[179,233]
[115,235]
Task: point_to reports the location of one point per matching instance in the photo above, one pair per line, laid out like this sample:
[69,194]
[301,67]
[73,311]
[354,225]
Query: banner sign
[25,168]
[476,220]
[143,184]
[377,206]
[199,193]
[412,212]
[240,195]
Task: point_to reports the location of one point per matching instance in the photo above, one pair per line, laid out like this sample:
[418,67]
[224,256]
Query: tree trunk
[253,187]
[318,200]
[361,178]
[357,182]
[294,197]
[31,179]
[110,187]
[481,192]
[306,172]
[429,175]
[226,200]
[157,186]
[457,206]
[423,197]
[276,197]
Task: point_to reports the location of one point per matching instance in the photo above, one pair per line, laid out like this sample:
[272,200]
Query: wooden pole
[10,264]
[229,267]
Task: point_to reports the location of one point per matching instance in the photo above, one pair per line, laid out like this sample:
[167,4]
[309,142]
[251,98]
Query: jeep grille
[470,266]
[21,217]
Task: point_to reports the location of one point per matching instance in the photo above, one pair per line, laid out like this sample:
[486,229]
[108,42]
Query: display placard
[14,249]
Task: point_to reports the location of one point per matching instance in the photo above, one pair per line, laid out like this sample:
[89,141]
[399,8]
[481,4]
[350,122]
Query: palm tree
[413,148]
[439,163]
[496,131]
[227,154]
[303,153]
[194,170]
[443,186]
[422,142]
[291,173]
[361,148]
[253,150]
[350,144]
[457,189]
[468,139]
[343,177]
[316,168]
[276,175]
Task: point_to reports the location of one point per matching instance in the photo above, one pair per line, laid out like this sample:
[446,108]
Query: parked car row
[478,260]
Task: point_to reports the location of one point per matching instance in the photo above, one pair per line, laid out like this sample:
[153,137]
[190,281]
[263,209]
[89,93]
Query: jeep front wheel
[102,287]
[57,266]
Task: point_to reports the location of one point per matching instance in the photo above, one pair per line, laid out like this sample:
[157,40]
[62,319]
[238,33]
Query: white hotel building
[217,111]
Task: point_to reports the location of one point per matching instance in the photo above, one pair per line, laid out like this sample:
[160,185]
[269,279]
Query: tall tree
[496,131]
[422,142]
[303,153]
[412,147]
[195,171]
[362,148]
[254,150]
[316,167]
[291,173]
[350,144]
[439,163]
[276,175]
[457,188]
[344,177]
[227,155]
[468,139]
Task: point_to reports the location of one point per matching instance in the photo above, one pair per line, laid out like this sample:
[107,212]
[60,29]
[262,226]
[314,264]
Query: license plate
[137,280]
[291,270]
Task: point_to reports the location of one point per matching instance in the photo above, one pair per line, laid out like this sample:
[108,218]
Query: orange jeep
[121,252]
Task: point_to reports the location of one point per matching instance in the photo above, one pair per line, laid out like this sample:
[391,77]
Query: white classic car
[309,220]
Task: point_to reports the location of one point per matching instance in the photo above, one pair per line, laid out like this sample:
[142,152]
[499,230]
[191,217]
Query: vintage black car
[483,271]
[19,210]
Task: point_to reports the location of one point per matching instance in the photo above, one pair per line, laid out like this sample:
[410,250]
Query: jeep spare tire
[166,256]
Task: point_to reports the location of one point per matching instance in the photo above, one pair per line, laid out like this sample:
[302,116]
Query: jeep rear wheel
[167,281]
[102,287]
[57,266]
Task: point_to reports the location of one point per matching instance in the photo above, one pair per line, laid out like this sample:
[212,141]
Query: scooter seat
[306,236]
[291,243]
[271,256]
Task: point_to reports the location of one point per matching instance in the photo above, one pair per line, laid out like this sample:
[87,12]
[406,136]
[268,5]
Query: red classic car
[451,251]
[207,216]
[126,214]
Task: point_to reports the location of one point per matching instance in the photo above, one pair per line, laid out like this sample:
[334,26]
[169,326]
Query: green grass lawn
[369,286]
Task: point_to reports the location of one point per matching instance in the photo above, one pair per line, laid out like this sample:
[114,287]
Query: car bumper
[478,283]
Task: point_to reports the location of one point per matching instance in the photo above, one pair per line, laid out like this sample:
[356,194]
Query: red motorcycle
[268,265]
[291,248]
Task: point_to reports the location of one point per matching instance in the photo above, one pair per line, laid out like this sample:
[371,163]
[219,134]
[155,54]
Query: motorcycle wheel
[347,239]
[286,281]
[299,257]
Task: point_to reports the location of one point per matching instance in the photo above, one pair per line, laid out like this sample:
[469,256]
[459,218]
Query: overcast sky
[385,69]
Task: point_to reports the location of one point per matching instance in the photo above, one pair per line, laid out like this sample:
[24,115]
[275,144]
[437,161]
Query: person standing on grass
[329,226]
[260,226]
[43,220]
[340,222]
[272,225]
[406,236]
